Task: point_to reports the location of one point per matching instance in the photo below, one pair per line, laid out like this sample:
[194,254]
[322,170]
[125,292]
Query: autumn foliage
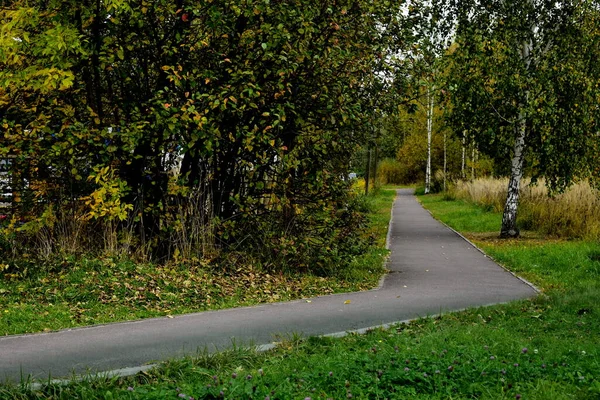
[173,128]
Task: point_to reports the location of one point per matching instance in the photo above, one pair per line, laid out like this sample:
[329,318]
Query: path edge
[131,371]
[525,281]
[388,243]
[136,321]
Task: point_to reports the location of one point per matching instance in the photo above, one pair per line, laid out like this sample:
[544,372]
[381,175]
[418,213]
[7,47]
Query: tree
[525,80]
[255,107]
[413,152]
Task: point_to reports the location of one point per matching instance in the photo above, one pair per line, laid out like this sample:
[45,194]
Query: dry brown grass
[572,214]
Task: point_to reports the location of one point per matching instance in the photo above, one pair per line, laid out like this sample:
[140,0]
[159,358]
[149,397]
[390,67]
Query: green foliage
[551,89]
[390,171]
[105,202]
[412,155]
[254,106]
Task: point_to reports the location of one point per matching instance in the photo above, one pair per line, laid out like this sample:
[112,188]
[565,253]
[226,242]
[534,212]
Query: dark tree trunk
[367,171]
[97,79]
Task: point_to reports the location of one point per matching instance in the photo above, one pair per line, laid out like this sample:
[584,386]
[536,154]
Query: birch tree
[524,82]
[431,28]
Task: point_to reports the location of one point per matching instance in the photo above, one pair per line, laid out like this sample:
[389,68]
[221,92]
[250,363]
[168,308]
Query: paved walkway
[433,270]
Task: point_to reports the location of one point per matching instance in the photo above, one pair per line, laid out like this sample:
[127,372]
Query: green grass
[369,267]
[85,292]
[559,265]
[379,217]
[463,216]
[543,348]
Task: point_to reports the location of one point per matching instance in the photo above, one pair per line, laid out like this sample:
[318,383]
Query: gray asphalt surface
[432,270]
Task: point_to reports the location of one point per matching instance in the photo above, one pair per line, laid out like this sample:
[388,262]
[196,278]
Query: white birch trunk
[429,132]
[509,218]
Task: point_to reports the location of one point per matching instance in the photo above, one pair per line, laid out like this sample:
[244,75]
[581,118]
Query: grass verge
[544,348]
[85,292]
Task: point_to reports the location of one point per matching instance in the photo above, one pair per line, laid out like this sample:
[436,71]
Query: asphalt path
[432,270]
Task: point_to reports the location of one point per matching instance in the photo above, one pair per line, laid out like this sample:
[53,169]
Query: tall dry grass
[572,214]
[60,232]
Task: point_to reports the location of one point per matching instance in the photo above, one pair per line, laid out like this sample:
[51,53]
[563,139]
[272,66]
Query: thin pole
[368,171]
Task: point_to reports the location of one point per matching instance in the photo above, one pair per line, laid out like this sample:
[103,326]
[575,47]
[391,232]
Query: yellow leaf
[347,302]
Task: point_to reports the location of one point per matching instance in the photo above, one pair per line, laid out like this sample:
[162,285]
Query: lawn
[543,348]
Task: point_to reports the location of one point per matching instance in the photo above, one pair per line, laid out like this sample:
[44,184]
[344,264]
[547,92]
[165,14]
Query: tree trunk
[445,160]
[95,58]
[368,171]
[509,218]
[473,161]
[376,160]
[462,167]
[429,132]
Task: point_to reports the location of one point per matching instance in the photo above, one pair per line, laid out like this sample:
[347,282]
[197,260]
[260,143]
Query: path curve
[432,270]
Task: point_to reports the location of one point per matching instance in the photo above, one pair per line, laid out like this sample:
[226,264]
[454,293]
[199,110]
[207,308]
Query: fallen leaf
[347,302]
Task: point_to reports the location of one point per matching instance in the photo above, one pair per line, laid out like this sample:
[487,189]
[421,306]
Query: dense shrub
[171,129]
